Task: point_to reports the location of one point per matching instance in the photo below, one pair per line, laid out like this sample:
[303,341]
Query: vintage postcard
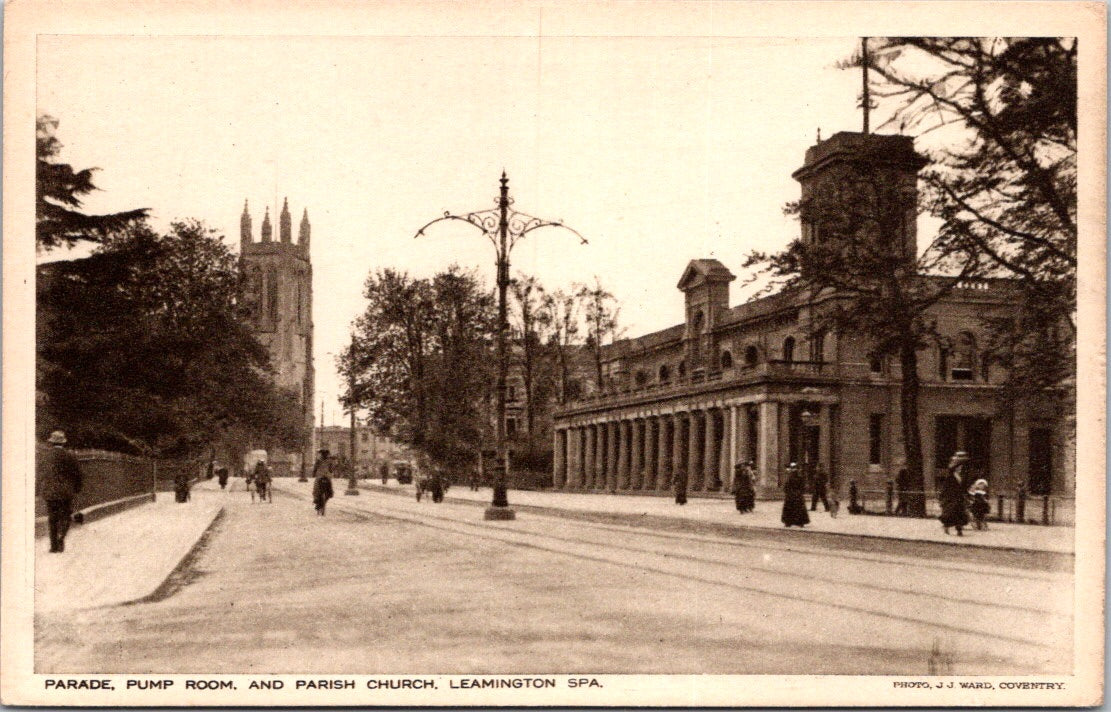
[683,354]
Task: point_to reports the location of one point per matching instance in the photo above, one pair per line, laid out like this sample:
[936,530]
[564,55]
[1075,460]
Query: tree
[1002,116]
[58,193]
[600,311]
[856,268]
[533,326]
[563,314]
[142,348]
[419,362]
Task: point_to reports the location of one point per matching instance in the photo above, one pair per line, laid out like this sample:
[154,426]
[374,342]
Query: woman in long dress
[954,511]
[743,490]
[794,499]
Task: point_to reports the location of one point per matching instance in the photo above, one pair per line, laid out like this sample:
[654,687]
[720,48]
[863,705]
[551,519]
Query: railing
[1017,507]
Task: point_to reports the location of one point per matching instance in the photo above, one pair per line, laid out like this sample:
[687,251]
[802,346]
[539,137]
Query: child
[321,490]
[980,505]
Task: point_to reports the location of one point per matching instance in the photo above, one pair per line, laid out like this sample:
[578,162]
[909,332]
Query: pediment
[699,272]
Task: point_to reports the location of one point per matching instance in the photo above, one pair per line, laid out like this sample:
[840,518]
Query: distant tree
[600,312]
[562,312]
[533,326]
[420,361]
[59,190]
[142,348]
[998,119]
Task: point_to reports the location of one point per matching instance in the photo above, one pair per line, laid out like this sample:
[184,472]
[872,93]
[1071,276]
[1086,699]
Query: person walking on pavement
[261,478]
[902,487]
[680,487]
[222,476]
[181,487]
[952,495]
[980,505]
[322,483]
[743,491]
[821,487]
[59,479]
[794,499]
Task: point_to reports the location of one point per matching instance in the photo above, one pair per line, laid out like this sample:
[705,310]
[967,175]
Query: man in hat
[59,481]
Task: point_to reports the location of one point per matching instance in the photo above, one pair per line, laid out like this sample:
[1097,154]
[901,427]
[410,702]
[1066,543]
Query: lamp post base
[501,514]
[352,488]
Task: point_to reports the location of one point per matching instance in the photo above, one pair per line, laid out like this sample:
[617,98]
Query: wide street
[384,584]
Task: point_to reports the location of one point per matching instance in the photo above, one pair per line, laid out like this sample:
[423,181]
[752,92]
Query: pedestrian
[181,487]
[902,487]
[794,499]
[821,486]
[952,495]
[854,499]
[680,484]
[980,505]
[59,480]
[744,492]
[322,484]
[210,471]
[437,488]
[385,471]
[261,478]
[222,476]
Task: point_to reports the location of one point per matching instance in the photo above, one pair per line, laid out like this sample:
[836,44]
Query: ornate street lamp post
[503,227]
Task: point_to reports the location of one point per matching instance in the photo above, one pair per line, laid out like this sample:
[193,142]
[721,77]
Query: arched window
[665,374]
[682,368]
[943,350]
[726,359]
[272,295]
[254,293]
[752,355]
[640,378]
[696,339]
[964,358]
[789,349]
[300,306]
[818,347]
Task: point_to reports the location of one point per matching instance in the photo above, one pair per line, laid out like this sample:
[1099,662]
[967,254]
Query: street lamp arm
[521,224]
[485,220]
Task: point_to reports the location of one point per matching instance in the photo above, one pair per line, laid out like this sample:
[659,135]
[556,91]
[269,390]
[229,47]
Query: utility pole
[866,99]
[352,483]
[504,227]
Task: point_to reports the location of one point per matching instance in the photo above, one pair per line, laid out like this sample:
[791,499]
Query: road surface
[384,584]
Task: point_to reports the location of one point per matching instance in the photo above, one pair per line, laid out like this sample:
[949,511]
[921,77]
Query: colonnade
[643,451]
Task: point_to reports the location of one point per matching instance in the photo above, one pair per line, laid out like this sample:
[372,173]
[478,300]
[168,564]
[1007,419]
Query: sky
[658,150]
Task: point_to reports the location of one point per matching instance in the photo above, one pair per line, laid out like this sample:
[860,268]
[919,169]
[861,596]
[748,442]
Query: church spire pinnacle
[285,223]
[245,226]
[303,233]
[267,230]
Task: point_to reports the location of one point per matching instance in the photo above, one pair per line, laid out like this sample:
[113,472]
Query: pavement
[723,513]
[125,557]
[384,584]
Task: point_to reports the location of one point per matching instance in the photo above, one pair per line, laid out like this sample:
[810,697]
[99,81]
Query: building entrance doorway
[1041,461]
[963,433]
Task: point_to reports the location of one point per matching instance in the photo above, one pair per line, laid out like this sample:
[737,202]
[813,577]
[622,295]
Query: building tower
[862,182]
[279,294]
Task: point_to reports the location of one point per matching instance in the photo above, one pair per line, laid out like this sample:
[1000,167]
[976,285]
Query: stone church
[279,289]
[754,382]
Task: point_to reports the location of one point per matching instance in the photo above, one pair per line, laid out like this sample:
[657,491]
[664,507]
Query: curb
[1027,558]
[178,576]
[97,511]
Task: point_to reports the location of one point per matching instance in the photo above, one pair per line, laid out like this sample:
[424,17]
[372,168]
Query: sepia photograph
[654,354]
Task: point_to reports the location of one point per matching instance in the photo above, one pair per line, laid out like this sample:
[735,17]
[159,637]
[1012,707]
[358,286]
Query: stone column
[694,454]
[825,436]
[651,452]
[559,457]
[741,441]
[678,442]
[663,455]
[710,457]
[575,459]
[729,447]
[768,448]
[588,457]
[602,451]
[612,433]
[622,480]
[636,464]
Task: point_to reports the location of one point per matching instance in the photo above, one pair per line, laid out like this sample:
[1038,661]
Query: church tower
[278,292]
